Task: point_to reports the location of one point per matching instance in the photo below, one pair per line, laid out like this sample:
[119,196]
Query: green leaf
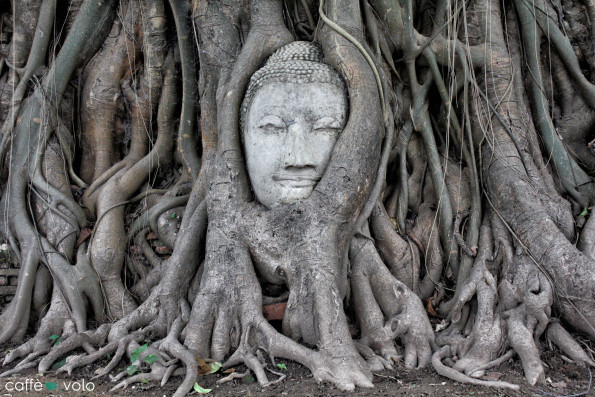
[58,364]
[131,369]
[200,390]
[584,213]
[143,380]
[56,339]
[282,366]
[215,366]
[150,359]
[135,354]
[173,216]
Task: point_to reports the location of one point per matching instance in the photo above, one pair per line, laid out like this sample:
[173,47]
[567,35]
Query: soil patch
[563,379]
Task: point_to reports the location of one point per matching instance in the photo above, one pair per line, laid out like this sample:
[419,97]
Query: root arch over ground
[459,191]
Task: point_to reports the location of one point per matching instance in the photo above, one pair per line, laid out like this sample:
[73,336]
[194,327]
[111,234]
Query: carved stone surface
[8,281]
[294,110]
[9,275]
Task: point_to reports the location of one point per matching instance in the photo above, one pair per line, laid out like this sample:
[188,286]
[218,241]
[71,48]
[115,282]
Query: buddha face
[289,135]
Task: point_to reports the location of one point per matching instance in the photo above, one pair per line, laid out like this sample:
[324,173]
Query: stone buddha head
[294,109]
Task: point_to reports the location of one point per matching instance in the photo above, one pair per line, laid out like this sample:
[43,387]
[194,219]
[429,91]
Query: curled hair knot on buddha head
[297,62]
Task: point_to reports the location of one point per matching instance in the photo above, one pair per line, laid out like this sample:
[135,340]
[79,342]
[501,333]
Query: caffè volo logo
[35,385]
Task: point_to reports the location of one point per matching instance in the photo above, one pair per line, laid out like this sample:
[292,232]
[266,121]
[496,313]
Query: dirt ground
[563,379]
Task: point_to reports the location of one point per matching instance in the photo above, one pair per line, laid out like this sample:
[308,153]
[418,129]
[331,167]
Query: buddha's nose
[298,146]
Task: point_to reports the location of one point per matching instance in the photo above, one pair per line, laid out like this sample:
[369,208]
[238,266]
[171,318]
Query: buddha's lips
[296,180]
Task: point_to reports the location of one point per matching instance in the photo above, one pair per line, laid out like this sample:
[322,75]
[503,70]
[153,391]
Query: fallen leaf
[204,368]
[207,366]
[430,309]
[275,311]
[215,366]
[131,369]
[85,233]
[201,390]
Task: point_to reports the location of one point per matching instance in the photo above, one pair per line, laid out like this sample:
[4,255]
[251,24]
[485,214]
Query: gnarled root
[378,295]
[125,338]
[459,377]
[486,320]
[57,321]
[227,315]
[484,339]
[561,338]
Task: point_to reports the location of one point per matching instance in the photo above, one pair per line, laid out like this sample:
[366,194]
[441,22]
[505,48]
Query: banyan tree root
[57,224]
[510,315]
[228,317]
[160,312]
[525,270]
[378,295]
[461,378]
[231,319]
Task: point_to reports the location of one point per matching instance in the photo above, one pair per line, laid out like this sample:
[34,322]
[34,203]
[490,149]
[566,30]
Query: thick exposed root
[400,255]
[378,295]
[122,341]
[173,346]
[561,338]
[425,234]
[56,322]
[158,374]
[484,340]
[94,337]
[459,377]
[227,315]
[486,320]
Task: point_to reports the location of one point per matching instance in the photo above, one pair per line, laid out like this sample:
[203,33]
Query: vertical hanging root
[400,255]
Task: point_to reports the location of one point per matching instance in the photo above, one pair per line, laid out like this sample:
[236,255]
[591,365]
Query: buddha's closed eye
[272,124]
[327,124]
